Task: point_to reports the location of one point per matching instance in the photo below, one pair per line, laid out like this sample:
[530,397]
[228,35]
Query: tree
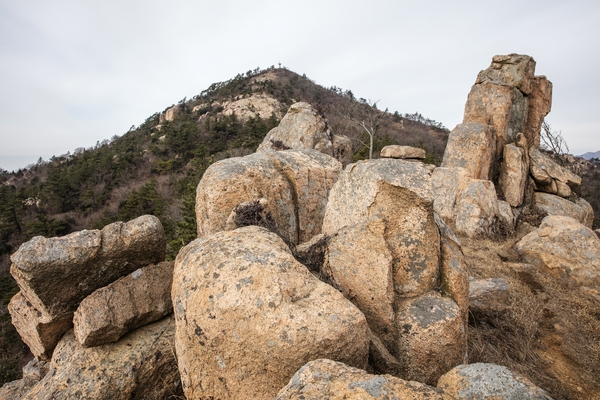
[553,141]
[365,114]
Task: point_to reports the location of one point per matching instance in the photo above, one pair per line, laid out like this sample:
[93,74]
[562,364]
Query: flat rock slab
[488,381]
[135,300]
[406,152]
[56,274]
[326,379]
[141,365]
[249,316]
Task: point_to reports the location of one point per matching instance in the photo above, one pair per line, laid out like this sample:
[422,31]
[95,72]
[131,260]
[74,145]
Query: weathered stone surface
[172,113]
[515,70]
[489,381]
[56,274]
[359,262]
[477,209]
[506,217]
[396,151]
[447,184]
[454,275]
[380,358]
[580,210]
[326,379]
[39,332]
[488,296]
[565,247]
[135,300]
[33,372]
[562,189]
[471,146]
[312,253]
[399,193]
[303,127]
[432,337]
[139,366]
[256,105]
[502,107]
[296,184]
[513,174]
[247,311]
[539,104]
[543,170]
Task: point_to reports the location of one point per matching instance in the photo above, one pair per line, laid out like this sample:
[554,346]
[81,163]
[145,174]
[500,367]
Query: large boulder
[514,70]
[488,382]
[565,247]
[513,174]
[404,152]
[432,337]
[56,274]
[249,315]
[539,104]
[326,379]
[550,204]
[303,127]
[41,333]
[294,183]
[544,170]
[400,194]
[471,146]
[477,209]
[135,300]
[139,366]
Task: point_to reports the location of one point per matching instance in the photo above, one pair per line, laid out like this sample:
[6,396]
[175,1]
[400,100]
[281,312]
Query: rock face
[404,152]
[295,183]
[40,333]
[326,379]
[248,315]
[488,381]
[539,105]
[580,210]
[56,274]
[513,70]
[253,106]
[139,366]
[471,146]
[565,247]
[432,337]
[135,300]
[303,127]
[477,209]
[548,174]
[172,113]
[448,184]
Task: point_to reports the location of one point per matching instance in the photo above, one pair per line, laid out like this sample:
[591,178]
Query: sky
[76,72]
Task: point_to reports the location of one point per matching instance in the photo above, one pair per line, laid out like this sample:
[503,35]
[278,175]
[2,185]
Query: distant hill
[589,155]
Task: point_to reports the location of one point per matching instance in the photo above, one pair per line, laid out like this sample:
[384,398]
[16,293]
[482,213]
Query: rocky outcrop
[171,113]
[294,183]
[448,184]
[303,127]
[488,381]
[247,311]
[326,379]
[135,300]
[139,366]
[471,146]
[564,247]
[403,152]
[488,296]
[39,332]
[256,105]
[549,176]
[538,106]
[514,172]
[514,70]
[55,274]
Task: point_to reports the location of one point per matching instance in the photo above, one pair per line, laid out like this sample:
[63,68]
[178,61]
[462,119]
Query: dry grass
[551,333]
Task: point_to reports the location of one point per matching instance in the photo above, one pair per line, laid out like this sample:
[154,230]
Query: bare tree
[365,114]
[553,141]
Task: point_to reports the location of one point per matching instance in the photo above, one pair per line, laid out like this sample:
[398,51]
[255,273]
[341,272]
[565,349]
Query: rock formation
[303,127]
[404,152]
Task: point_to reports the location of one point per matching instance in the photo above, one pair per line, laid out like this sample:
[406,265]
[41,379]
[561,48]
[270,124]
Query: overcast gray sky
[75,72]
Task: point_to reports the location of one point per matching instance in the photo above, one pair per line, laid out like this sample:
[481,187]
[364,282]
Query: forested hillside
[155,167]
